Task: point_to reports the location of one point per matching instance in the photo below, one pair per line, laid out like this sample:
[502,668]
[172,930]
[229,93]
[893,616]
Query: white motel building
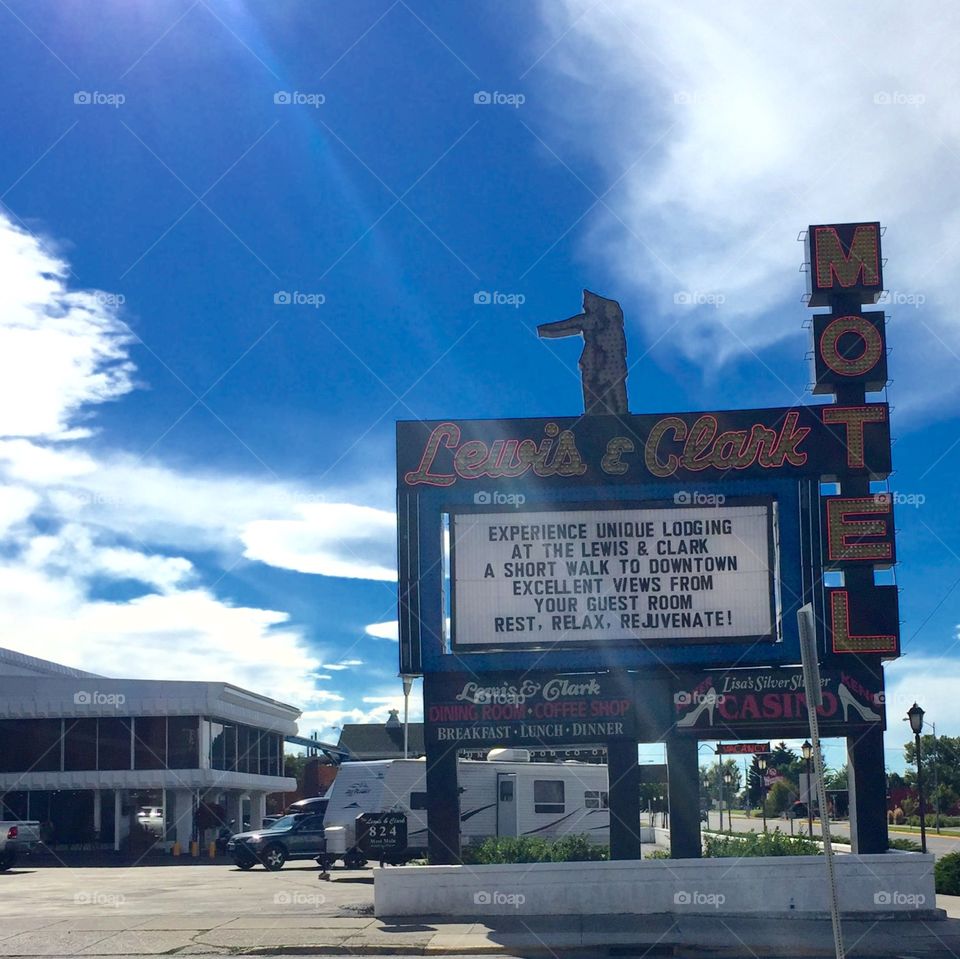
[102,762]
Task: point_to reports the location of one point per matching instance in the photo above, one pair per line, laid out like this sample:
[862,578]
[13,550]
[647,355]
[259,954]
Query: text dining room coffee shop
[617,578]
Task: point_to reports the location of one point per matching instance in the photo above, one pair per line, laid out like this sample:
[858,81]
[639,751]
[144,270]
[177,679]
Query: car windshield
[285,822]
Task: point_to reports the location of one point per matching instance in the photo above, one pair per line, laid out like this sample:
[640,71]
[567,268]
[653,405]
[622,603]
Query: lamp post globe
[915,716]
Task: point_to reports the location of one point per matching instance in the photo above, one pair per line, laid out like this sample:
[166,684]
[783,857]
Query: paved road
[938,845]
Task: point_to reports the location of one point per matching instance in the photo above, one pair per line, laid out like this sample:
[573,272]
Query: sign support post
[811,682]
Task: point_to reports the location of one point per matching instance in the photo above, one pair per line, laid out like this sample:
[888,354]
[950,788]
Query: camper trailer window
[595,799]
[418,800]
[506,790]
[548,795]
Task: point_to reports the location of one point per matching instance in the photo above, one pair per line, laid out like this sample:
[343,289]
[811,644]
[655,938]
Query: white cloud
[388,630]
[735,131]
[932,681]
[73,520]
[74,338]
[333,539]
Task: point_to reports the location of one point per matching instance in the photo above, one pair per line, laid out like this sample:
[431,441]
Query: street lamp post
[762,766]
[807,751]
[915,716]
[728,779]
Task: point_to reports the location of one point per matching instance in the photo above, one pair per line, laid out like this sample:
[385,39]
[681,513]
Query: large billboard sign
[540,709]
[740,701]
[653,574]
[625,450]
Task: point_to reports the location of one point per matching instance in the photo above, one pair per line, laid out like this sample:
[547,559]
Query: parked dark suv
[299,836]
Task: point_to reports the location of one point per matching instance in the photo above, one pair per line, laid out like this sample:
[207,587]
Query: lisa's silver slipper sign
[659,574]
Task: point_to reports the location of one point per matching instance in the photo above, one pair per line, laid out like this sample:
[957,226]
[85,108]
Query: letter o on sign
[868,356]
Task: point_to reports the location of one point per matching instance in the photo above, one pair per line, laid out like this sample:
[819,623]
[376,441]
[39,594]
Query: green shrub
[512,849]
[947,874]
[947,822]
[759,844]
[907,845]
[657,854]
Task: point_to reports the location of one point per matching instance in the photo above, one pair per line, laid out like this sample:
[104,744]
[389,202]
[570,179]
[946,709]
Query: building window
[596,799]
[183,742]
[150,742]
[79,744]
[248,760]
[113,743]
[548,795]
[29,745]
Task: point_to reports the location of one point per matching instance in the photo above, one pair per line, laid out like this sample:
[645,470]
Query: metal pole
[763,802]
[923,810]
[809,801]
[720,783]
[407,686]
[814,696]
[936,775]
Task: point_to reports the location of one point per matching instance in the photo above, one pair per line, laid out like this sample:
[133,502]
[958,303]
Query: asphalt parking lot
[51,910]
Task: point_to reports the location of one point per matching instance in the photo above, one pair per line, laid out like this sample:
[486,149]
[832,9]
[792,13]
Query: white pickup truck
[17,838]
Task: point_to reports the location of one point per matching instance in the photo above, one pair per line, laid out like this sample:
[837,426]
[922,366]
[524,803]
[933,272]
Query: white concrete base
[895,884]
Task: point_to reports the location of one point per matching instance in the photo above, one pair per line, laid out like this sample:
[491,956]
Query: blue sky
[198,480]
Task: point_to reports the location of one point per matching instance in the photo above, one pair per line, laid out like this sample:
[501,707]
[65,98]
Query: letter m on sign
[844,260]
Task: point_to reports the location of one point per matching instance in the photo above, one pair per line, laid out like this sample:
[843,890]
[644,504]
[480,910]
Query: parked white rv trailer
[497,798]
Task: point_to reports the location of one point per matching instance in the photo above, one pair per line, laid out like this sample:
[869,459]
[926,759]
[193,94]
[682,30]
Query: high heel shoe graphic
[847,700]
[708,701]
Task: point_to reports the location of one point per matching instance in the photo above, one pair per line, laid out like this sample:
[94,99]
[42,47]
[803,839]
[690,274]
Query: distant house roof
[378,741]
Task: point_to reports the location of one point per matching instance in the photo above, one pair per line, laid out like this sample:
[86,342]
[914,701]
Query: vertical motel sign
[850,360]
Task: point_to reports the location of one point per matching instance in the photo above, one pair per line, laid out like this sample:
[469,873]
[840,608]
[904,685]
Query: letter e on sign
[845,260]
[859,530]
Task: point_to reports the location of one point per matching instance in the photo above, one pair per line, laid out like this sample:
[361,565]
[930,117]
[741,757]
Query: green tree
[941,770]
[835,778]
[713,784]
[787,762]
[780,797]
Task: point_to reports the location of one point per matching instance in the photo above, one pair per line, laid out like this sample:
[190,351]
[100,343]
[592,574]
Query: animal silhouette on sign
[603,363]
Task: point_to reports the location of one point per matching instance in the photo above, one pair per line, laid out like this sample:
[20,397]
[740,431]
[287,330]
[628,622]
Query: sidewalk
[218,910]
[718,937]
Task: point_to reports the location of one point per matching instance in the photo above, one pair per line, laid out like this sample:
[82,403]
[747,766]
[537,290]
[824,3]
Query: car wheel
[7,861]
[244,864]
[354,861]
[273,857]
